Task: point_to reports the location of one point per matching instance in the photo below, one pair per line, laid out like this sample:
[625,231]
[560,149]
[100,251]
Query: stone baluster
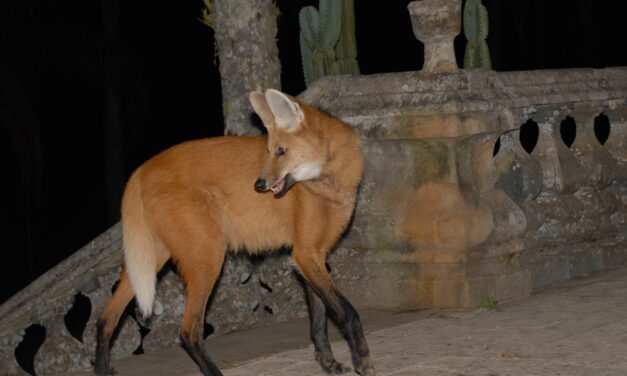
[560,167]
[517,173]
[436,23]
[616,143]
[546,152]
[598,166]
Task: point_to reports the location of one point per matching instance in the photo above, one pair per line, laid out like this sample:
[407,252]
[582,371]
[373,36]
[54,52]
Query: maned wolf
[195,200]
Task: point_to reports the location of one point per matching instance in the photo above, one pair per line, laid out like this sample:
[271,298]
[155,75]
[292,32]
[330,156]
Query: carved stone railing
[479,184]
[250,293]
[453,208]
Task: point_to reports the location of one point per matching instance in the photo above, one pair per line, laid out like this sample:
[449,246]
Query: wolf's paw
[330,365]
[335,368]
[366,372]
[365,368]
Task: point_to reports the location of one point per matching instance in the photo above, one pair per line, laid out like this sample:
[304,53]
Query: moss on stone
[432,159]
[503,165]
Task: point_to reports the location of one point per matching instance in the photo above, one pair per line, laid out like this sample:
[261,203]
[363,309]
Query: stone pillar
[436,23]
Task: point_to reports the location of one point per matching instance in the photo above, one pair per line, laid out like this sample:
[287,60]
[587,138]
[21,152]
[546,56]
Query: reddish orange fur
[197,200]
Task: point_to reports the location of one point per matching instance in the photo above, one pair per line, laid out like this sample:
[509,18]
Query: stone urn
[436,23]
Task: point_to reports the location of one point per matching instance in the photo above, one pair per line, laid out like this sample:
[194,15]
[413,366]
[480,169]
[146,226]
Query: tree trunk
[245,32]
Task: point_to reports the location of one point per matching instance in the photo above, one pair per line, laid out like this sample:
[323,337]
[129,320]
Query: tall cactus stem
[476,27]
[346,49]
[330,23]
[327,39]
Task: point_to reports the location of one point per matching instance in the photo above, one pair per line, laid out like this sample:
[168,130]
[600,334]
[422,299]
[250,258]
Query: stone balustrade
[481,184]
[477,184]
[251,292]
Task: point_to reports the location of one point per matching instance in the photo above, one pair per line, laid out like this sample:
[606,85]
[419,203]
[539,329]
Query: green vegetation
[327,39]
[489,304]
[476,30]
[207,14]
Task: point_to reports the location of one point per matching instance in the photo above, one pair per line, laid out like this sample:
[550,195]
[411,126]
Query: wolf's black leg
[349,320]
[338,307]
[319,335]
[102,365]
[194,345]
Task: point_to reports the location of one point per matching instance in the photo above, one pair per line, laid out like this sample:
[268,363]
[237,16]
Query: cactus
[319,36]
[346,48]
[207,14]
[476,30]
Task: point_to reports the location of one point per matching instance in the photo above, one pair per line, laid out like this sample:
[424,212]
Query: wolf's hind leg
[200,278]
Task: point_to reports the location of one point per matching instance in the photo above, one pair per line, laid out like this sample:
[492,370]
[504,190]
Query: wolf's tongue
[278,188]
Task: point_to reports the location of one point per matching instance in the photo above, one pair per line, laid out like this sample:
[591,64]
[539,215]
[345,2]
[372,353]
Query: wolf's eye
[280,151]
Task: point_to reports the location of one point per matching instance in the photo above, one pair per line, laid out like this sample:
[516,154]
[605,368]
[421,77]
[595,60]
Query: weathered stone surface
[577,330]
[251,293]
[556,196]
[94,270]
[436,23]
[161,337]
[518,174]
[379,104]
[169,301]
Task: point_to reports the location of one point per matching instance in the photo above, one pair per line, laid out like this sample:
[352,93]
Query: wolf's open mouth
[278,187]
[282,186]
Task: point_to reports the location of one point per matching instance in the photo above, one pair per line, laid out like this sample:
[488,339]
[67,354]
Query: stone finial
[436,23]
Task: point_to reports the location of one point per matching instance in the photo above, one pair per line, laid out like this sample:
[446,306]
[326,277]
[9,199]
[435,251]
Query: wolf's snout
[260,185]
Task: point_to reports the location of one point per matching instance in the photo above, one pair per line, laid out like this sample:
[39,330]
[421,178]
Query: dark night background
[91,89]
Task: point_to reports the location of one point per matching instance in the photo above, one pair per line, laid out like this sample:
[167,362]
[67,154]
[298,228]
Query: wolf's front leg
[313,268]
[319,335]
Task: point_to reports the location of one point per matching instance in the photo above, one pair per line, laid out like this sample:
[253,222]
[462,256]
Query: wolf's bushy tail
[139,246]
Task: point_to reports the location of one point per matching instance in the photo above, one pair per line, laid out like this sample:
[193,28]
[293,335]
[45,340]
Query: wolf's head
[296,150]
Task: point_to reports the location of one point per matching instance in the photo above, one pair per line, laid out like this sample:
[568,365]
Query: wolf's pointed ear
[287,113]
[260,105]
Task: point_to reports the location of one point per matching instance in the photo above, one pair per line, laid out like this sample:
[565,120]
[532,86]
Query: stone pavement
[577,328]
